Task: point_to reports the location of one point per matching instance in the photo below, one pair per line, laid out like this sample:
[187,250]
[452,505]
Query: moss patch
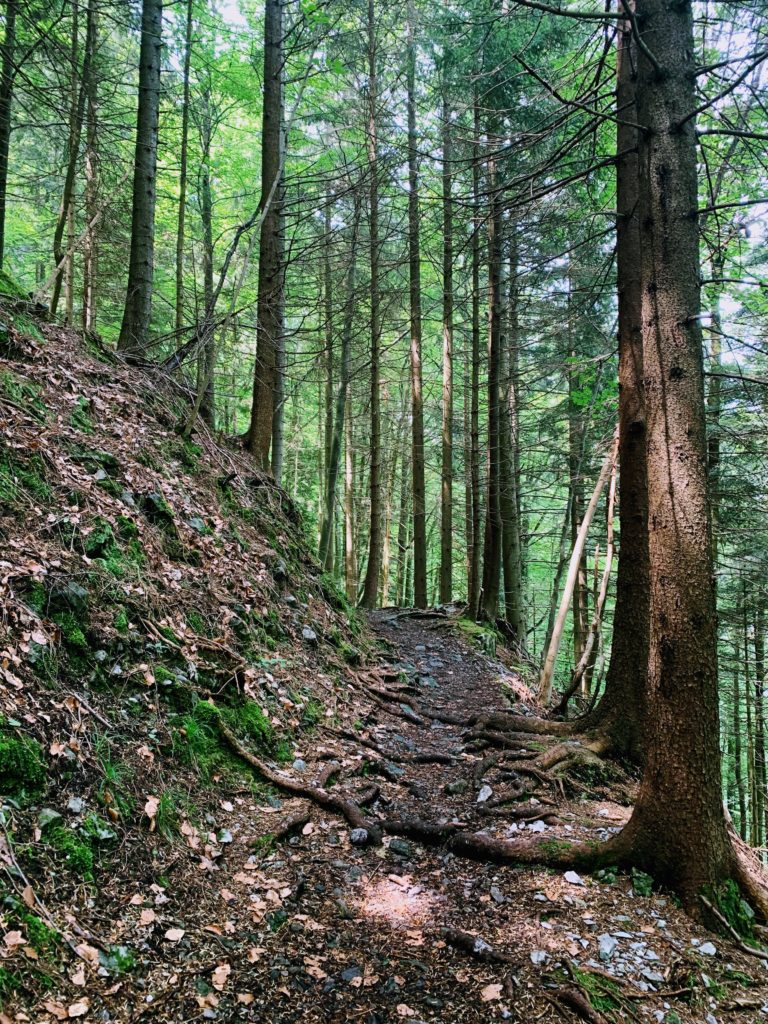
[22,764]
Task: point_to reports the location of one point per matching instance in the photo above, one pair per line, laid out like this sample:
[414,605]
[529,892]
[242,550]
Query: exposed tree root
[474,946]
[345,806]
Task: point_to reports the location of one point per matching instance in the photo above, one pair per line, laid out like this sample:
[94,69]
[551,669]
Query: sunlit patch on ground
[398,900]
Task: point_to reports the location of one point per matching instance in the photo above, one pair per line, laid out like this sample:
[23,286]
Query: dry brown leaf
[220,976]
[79,1009]
[174,934]
[146,917]
[245,998]
[58,1010]
[490,992]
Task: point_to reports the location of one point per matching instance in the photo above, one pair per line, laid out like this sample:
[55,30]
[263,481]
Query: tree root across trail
[468,775]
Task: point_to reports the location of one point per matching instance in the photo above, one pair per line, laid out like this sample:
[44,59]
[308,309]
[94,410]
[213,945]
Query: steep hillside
[152,591]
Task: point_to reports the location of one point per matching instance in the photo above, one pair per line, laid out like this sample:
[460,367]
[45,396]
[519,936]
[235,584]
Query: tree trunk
[134,331]
[328,399]
[489,601]
[350,540]
[270,288]
[758,640]
[206,356]
[737,761]
[91,188]
[373,568]
[473,584]
[7,75]
[332,469]
[446,489]
[417,400]
[678,830]
[509,497]
[180,229]
[620,712]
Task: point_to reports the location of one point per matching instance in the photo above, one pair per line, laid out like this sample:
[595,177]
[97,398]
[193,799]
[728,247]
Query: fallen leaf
[78,978]
[28,895]
[220,976]
[58,1010]
[150,809]
[403,1010]
[79,1009]
[245,998]
[146,917]
[490,992]
[174,934]
[14,938]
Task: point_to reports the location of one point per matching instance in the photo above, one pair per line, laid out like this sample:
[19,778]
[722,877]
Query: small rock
[47,816]
[653,976]
[401,848]
[710,1018]
[485,793]
[573,878]
[350,974]
[496,894]
[708,949]
[538,957]
[197,524]
[309,635]
[607,946]
[76,804]
[537,826]
[299,765]
[358,836]
[456,788]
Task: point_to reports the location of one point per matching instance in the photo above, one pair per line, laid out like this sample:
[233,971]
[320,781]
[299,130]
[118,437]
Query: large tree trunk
[7,74]
[269,326]
[350,539]
[620,711]
[328,404]
[678,829]
[417,400]
[206,356]
[134,331]
[373,568]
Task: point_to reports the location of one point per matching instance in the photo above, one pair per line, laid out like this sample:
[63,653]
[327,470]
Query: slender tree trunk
[417,400]
[509,462]
[760,768]
[737,757]
[91,187]
[350,540]
[473,585]
[134,331]
[332,471]
[489,605]
[373,568]
[328,402]
[181,225]
[269,325]
[7,75]
[621,710]
[576,441]
[207,354]
[446,490]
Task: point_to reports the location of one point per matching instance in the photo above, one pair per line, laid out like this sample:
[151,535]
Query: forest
[383,395]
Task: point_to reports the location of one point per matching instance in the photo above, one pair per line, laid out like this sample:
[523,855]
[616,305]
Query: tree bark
[621,709]
[446,488]
[417,399]
[91,187]
[678,830]
[473,583]
[350,539]
[206,355]
[7,74]
[269,326]
[134,331]
[181,225]
[373,568]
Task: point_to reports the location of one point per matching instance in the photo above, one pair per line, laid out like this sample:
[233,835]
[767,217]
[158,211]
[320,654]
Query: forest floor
[314,928]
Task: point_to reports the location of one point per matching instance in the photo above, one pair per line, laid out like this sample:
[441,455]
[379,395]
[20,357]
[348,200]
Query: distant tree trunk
[621,710]
[91,188]
[332,469]
[207,354]
[737,761]
[328,405]
[7,75]
[417,400]
[183,156]
[576,439]
[350,540]
[760,768]
[373,568]
[403,539]
[473,584]
[270,288]
[63,257]
[446,490]
[134,331]
[678,830]
[489,604]
[509,461]
[278,411]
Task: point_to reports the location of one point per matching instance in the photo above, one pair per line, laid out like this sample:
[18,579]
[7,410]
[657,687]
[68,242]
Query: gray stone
[401,848]
[485,794]
[299,765]
[537,826]
[708,949]
[351,973]
[497,895]
[47,816]
[538,957]
[607,946]
[456,788]
[358,836]
[309,635]
[75,804]
[573,878]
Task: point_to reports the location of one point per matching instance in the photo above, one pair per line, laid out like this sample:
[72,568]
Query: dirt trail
[315,928]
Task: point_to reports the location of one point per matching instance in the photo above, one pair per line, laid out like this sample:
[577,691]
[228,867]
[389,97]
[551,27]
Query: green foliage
[23,393]
[23,480]
[10,286]
[641,883]
[22,764]
[10,983]
[77,852]
[121,620]
[80,417]
[729,901]
[167,817]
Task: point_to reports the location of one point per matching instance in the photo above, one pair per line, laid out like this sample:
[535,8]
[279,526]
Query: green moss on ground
[22,764]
